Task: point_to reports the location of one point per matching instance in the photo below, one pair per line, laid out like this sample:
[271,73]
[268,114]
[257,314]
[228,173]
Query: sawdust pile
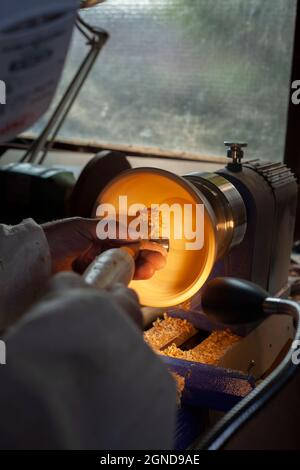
[169,333]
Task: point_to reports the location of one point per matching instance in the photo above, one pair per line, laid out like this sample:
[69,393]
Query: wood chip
[208,351]
[169,331]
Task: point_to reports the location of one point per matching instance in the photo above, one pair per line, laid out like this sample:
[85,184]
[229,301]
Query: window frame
[292,142]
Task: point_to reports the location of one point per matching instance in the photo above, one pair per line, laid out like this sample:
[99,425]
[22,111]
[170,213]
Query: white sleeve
[25,265]
[80,376]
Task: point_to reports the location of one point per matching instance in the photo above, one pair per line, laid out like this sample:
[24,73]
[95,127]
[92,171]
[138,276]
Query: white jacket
[78,374]
[25,265]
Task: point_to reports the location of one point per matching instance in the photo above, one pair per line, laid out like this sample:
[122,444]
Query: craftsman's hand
[74,244]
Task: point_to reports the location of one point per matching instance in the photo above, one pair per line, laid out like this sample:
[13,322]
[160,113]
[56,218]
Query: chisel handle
[116,265]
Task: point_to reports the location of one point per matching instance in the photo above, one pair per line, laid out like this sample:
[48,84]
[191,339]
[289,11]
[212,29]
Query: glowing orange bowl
[186,270]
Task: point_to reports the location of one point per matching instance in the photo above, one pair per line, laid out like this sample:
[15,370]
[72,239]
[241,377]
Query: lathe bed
[214,367]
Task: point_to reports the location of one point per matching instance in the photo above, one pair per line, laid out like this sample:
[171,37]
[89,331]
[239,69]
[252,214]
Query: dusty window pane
[187,74]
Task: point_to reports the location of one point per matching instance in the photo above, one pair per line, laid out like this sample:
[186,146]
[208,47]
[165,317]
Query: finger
[143,270]
[153,257]
[153,246]
[89,227]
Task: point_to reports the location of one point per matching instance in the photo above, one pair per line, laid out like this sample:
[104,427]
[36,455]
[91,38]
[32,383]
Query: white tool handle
[113,266]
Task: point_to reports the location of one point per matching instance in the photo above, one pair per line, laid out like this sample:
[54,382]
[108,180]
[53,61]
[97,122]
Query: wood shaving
[209,351]
[180,383]
[167,331]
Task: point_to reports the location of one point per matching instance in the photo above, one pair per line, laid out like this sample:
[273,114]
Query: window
[187,75]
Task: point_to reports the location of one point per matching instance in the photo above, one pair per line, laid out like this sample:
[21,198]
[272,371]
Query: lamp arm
[96,39]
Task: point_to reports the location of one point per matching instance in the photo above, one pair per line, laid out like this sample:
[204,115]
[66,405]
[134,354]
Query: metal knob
[236,154]
[233,301]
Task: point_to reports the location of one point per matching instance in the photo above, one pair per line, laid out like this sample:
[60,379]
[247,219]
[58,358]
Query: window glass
[186,75]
